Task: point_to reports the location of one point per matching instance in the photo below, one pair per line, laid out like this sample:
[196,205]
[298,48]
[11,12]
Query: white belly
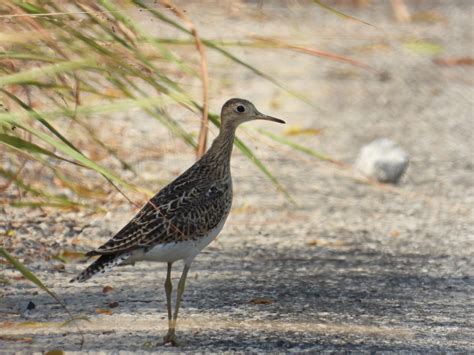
[183,250]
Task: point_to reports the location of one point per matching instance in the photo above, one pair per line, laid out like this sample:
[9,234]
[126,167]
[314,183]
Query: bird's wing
[181,211]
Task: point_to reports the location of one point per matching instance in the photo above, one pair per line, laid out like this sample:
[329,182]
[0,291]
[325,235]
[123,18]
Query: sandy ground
[351,266]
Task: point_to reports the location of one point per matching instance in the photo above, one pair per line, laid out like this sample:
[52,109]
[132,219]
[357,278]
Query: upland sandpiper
[184,217]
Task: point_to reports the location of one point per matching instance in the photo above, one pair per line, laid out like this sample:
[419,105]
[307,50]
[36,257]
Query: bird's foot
[170,338]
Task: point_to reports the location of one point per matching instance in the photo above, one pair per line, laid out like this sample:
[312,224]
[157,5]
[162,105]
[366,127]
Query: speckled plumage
[186,209]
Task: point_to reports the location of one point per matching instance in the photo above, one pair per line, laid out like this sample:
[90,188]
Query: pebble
[382,160]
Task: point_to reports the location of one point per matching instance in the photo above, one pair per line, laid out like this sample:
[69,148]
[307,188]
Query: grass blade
[20,144]
[45,71]
[251,156]
[297,146]
[29,275]
[66,149]
[340,14]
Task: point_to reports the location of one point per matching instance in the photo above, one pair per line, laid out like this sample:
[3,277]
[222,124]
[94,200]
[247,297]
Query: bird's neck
[221,149]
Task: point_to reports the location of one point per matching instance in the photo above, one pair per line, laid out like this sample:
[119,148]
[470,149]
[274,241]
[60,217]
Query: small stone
[113,304]
[107,289]
[382,160]
[30,306]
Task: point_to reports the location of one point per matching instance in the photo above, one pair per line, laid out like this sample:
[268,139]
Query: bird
[184,216]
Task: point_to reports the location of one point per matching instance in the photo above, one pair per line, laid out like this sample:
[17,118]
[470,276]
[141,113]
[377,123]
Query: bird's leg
[171,336]
[179,296]
[169,290]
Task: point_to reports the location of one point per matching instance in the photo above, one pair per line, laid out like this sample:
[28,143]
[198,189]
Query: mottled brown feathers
[189,208]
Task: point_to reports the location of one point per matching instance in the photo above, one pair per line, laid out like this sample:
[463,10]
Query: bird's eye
[240,108]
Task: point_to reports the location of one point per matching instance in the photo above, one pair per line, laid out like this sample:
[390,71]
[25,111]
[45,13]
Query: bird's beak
[261,116]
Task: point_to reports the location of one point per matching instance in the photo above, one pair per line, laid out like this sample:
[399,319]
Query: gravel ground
[352,266]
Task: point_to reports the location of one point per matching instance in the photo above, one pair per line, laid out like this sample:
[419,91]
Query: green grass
[66,62]
[64,68]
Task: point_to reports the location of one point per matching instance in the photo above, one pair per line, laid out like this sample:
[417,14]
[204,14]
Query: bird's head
[237,111]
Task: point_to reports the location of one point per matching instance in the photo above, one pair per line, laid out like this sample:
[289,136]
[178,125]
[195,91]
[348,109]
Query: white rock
[382,160]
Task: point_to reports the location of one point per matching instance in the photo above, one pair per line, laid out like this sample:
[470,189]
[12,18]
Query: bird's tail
[102,264]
